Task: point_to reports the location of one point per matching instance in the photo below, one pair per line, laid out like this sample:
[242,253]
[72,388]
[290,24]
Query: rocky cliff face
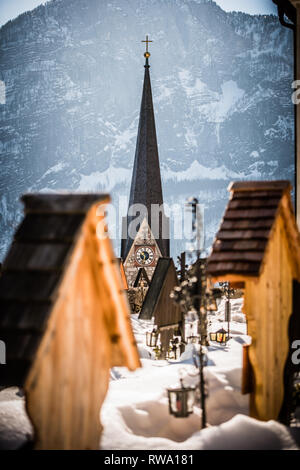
[73,71]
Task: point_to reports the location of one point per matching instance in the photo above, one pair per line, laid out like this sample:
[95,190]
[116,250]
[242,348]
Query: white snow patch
[15,427]
[55,169]
[231,93]
[164,93]
[254,154]
[105,180]
[191,138]
[197,171]
[214,106]
[124,138]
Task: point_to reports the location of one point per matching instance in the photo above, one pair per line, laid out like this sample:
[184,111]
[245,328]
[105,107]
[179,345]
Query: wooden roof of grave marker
[158,304]
[64,317]
[258,246]
[242,240]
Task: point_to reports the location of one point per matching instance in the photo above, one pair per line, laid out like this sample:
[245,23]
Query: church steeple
[146,187]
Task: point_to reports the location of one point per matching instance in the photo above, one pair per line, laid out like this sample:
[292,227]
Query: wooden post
[182,266]
[247,372]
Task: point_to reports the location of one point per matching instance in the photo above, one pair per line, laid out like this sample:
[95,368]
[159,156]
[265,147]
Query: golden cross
[147,41]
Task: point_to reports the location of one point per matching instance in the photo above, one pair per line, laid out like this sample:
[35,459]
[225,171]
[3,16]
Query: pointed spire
[146,185]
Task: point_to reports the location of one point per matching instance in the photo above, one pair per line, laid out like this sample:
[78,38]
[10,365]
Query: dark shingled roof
[155,288]
[240,243]
[32,272]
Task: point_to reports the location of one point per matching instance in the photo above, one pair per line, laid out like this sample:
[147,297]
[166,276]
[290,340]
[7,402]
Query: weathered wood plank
[247,224]
[242,234]
[237,256]
[168,327]
[260,185]
[240,245]
[256,194]
[216,268]
[253,203]
[250,213]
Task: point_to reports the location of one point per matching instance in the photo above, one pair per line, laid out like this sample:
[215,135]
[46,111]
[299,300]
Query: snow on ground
[15,427]
[135,413]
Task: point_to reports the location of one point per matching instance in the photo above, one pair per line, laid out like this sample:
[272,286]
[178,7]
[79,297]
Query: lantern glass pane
[190,401]
[220,337]
[176,402]
[153,339]
[172,397]
[213,336]
[179,402]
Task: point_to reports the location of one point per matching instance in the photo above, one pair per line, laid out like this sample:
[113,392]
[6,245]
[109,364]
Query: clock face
[144,255]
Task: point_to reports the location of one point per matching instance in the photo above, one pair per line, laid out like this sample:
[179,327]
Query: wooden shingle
[49,227]
[252,186]
[30,316]
[28,285]
[39,256]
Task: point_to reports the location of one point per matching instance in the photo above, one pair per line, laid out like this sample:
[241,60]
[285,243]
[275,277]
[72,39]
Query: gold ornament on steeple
[147,53]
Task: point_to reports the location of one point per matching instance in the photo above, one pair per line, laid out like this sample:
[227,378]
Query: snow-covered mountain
[73,71]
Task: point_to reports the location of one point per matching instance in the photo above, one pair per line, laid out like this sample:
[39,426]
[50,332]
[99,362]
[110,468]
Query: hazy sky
[9,9]
[249,6]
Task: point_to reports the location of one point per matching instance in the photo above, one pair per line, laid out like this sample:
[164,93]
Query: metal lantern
[151,338]
[221,336]
[173,352]
[181,400]
[158,352]
[174,349]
